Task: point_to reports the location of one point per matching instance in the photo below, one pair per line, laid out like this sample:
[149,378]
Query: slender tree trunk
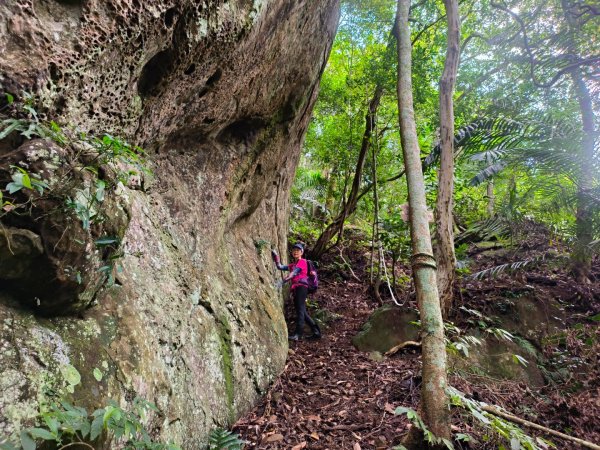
[434,400]
[582,255]
[491,198]
[376,241]
[446,259]
[350,205]
[581,258]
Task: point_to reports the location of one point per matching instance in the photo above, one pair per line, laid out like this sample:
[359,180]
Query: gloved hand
[275,256]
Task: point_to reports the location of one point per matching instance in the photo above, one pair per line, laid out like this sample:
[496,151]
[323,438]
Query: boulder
[219,94]
[387,327]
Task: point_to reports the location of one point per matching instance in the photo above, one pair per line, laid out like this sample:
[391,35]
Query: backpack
[313,278]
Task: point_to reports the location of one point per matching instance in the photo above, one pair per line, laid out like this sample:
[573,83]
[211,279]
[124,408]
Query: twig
[349,266]
[527,423]
[7,238]
[399,347]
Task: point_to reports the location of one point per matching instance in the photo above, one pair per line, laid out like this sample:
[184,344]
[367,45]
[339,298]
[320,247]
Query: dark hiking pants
[300,294]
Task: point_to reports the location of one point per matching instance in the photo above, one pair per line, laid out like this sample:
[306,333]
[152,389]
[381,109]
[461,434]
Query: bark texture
[434,405]
[219,94]
[446,260]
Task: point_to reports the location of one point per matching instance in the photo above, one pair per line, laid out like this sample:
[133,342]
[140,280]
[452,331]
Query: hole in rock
[190,70]
[54,72]
[214,77]
[170,17]
[244,131]
[154,72]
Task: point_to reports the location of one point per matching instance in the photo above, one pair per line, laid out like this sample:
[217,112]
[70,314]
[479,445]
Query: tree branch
[529,424]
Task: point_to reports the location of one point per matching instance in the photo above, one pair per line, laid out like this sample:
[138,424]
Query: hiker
[299,279]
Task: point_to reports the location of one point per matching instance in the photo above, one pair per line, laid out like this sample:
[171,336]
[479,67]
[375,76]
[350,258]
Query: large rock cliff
[219,94]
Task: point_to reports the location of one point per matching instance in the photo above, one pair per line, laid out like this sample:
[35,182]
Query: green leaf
[97,374]
[26,181]
[9,98]
[26,441]
[70,374]
[13,187]
[100,187]
[520,360]
[51,423]
[402,410]
[480,416]
[97,426]
[14,124]
[5,445]
[84,428]
[106,240]
[463,437]
[448,444]
[40,433]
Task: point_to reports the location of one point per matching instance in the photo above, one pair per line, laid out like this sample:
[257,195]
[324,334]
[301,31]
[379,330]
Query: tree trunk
[434,404]
[446,259]
[376,240]
[350,205]
[581,258]
[582,255]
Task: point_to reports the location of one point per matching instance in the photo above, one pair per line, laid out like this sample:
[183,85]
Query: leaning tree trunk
[581,258]
[434,404]
[444,224]
[350,205]
[582,255]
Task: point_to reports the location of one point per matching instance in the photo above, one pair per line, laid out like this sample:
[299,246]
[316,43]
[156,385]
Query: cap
[298,245]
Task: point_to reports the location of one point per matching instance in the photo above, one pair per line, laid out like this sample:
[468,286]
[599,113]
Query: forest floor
[332,396]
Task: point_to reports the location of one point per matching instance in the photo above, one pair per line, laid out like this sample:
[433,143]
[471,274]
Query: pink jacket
[301,278]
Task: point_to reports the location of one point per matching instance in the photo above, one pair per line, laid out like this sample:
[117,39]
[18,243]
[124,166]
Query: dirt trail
[331,396]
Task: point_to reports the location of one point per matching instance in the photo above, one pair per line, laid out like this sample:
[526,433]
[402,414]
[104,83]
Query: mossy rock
[387,327]
[532,317]
[496,359]
[324,316]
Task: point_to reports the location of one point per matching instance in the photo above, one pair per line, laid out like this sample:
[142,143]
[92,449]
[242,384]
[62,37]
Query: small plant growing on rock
[220,439]
[55,178]
[67,425]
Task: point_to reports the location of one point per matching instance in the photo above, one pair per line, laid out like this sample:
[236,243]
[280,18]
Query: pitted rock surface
[220,94]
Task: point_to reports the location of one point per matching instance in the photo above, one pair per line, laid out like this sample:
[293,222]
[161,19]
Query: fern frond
[488,173]
[495,227]
[518,265]
[220,439]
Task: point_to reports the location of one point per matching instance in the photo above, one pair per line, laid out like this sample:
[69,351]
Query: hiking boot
[294,337]
[316,333]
